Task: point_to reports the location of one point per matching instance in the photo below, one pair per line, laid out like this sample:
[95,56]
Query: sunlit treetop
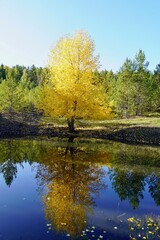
[72,59]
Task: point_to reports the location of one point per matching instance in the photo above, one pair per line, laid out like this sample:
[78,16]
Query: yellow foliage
[71,91]
[71,180]
[131,219]
[63,211]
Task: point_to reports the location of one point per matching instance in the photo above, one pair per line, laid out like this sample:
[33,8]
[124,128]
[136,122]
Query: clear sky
[29,28]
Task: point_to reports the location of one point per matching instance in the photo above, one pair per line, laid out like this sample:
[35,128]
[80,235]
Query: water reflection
[133,169]
[154,187]
[14,152]
[71,186]
[71,174]
[128,184]
[9,156]
[9,171]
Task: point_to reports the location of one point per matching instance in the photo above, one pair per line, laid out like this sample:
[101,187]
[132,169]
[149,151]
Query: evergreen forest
[134,90]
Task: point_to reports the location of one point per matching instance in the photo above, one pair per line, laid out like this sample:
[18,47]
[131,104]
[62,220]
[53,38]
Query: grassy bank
[137,130]
[113,123]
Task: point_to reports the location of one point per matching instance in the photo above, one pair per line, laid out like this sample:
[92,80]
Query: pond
[81,189]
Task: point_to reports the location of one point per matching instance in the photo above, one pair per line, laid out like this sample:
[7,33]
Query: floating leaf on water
[150,219]
[49,224]
[130,219]
[149,224]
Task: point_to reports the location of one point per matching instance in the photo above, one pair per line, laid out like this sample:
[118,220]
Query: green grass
[115,123]
[136,121]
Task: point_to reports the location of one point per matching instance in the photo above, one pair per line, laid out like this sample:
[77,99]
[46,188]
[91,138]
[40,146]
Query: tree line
[18,86]
[133,90]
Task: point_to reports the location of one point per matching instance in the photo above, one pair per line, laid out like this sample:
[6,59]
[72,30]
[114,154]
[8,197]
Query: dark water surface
[81,189]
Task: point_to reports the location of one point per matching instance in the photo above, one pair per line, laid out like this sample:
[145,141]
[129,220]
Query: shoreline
[131,134]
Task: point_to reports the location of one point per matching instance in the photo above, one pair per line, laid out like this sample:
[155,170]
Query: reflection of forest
[14,152]
[132,168]
[73,173]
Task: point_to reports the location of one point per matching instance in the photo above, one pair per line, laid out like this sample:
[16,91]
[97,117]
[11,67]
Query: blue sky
[29,29]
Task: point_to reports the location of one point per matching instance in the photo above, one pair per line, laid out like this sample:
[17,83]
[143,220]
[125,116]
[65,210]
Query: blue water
[103,208]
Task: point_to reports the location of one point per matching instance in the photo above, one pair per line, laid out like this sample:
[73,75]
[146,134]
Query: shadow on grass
[120,132]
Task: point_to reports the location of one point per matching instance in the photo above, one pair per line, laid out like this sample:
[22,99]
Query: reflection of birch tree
[70,189]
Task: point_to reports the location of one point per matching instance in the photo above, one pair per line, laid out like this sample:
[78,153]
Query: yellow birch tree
[71,91]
